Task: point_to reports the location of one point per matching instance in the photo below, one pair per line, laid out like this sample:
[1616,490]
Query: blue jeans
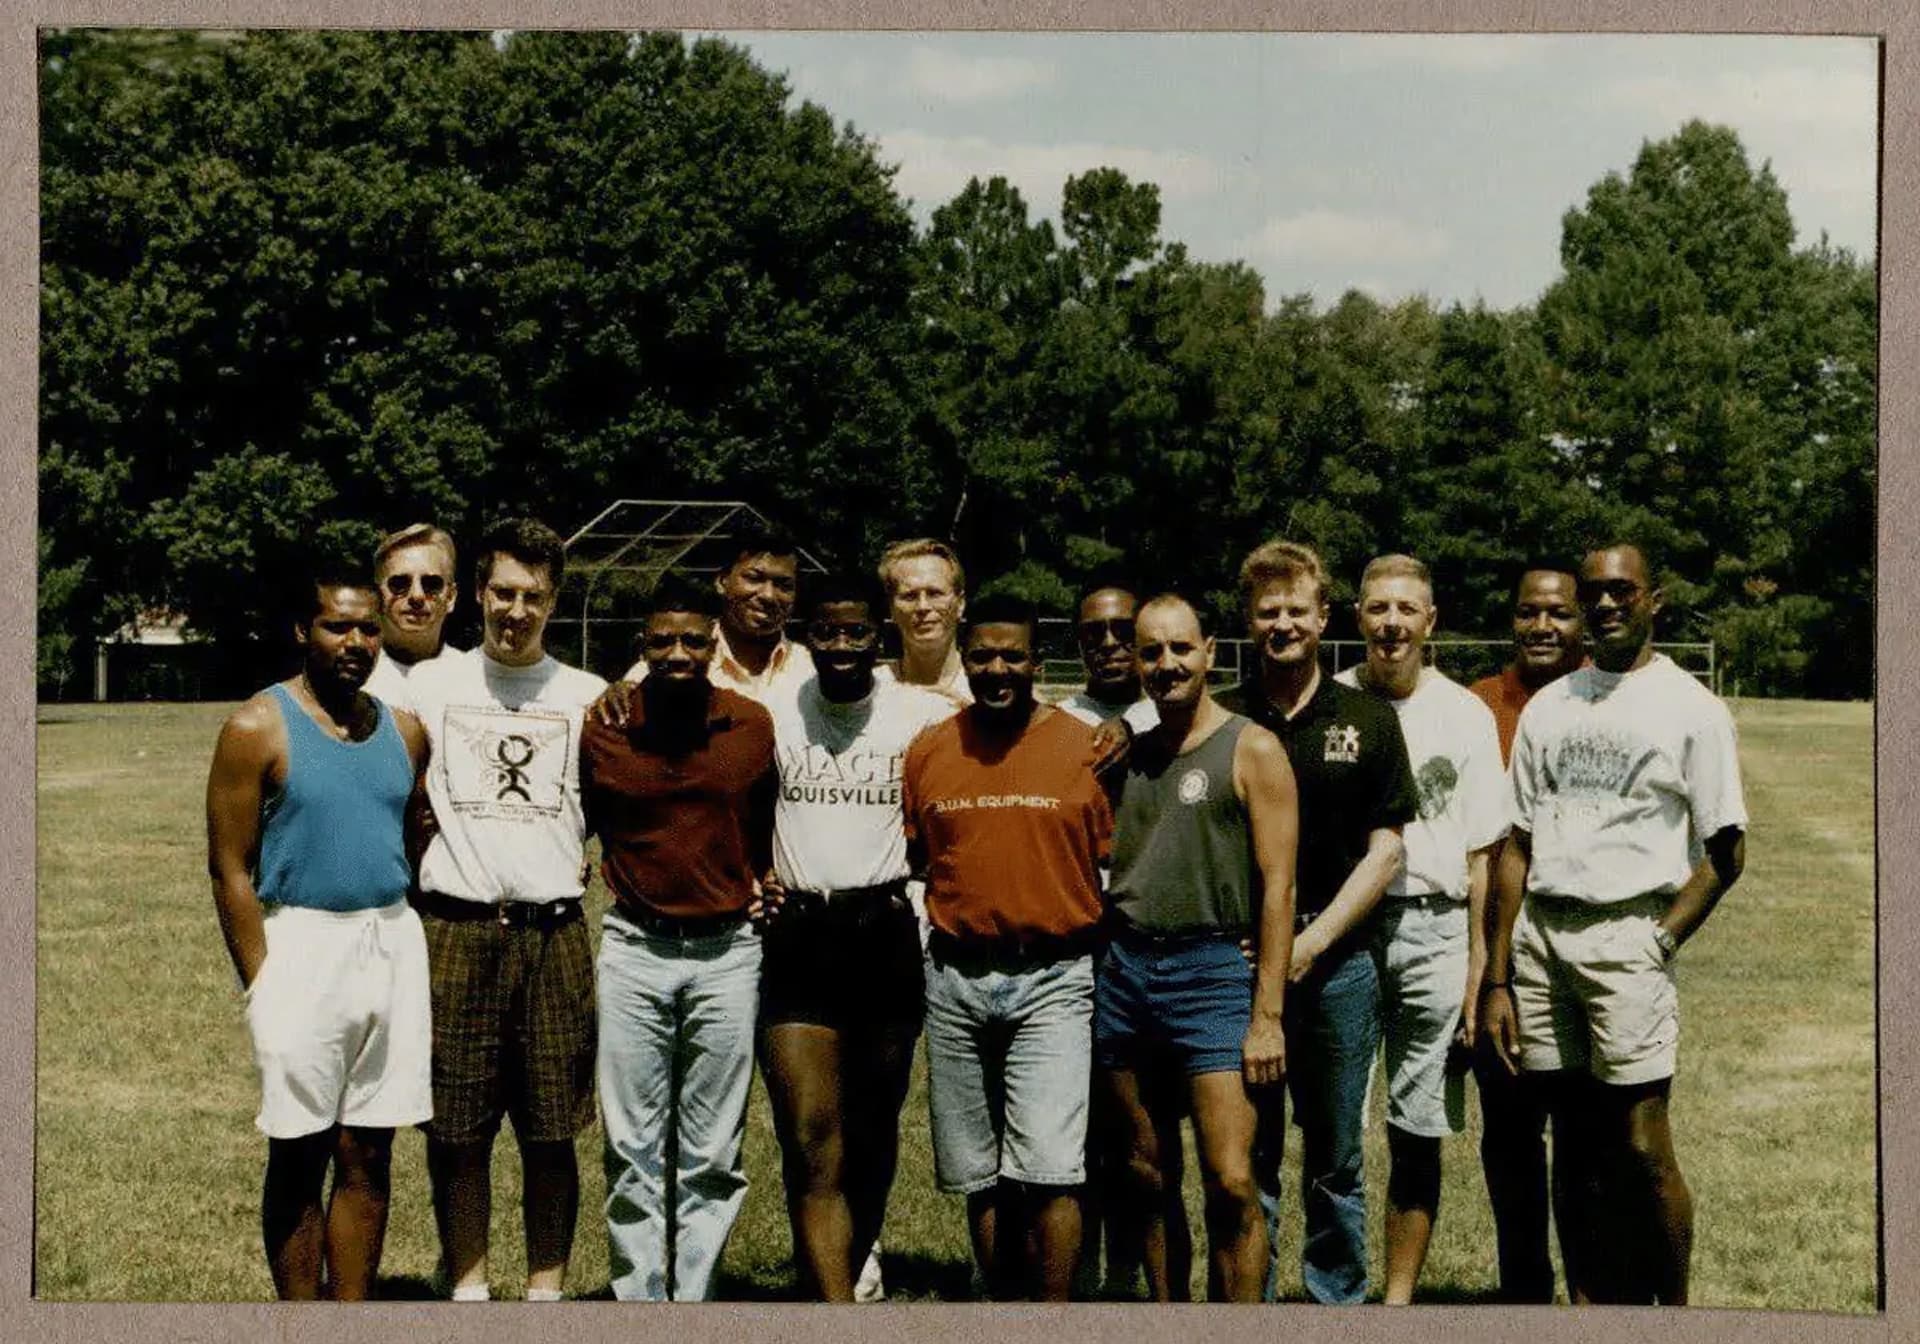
[1333,1031]
[1009,1063]
[675,1064]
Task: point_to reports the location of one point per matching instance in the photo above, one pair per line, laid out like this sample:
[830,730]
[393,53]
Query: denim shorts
[1009,1060]
[1421,945]
[1186,1000]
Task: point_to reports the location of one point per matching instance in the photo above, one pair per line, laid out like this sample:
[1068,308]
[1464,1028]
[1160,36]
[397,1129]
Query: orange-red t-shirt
[1506,695]
[1013,835]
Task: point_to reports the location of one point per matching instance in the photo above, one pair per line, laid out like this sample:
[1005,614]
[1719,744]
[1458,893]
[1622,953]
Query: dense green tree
[361,278]
[1708,383]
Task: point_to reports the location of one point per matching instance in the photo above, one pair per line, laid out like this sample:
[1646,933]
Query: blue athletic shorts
[1184,1000]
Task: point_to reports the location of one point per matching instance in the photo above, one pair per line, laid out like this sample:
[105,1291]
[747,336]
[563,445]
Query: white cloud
[950,77]
[934,168]
[1340,237]
[1828,98]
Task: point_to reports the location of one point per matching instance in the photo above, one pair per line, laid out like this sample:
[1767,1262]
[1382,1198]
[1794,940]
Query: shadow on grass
[404,1288]
[925,1278]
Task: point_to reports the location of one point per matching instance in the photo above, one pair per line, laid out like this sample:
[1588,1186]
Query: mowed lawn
[148,1164]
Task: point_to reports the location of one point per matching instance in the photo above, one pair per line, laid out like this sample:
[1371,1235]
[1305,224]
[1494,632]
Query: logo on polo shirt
[1343,743]
[1193,786]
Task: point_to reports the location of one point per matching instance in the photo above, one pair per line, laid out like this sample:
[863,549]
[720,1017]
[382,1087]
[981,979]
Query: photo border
[1896,718]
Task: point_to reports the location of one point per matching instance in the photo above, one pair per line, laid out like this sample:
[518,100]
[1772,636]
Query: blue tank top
[333,838]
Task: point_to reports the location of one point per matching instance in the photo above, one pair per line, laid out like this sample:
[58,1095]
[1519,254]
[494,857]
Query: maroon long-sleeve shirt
[684,812]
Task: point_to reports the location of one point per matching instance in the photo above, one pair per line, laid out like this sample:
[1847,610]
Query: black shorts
[853,965]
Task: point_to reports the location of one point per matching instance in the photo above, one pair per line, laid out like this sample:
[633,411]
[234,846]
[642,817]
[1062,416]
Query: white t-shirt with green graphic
[1453,745]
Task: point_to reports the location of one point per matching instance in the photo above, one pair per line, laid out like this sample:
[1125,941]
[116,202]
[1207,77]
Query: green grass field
[148,1165]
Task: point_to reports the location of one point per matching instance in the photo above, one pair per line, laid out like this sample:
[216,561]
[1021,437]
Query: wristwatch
[1667,943]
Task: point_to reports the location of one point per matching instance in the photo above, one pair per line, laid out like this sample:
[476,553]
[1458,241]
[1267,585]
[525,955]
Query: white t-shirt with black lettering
[1621,777]
[838,823]
[1453,745]
[504,777]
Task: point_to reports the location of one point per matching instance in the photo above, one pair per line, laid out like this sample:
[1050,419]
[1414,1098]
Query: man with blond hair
[926,591]
[1430,946]
[1356,793]
[413,570]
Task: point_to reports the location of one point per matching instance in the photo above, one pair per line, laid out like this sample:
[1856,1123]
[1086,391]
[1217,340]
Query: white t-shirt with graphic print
[504,777]
[1453,745]
[1621,777]
[838,823]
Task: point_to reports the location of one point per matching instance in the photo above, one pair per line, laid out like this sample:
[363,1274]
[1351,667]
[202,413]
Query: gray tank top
[1182,849]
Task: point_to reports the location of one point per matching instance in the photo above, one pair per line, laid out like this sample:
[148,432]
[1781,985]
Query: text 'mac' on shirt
[1013,835]
[1351,772]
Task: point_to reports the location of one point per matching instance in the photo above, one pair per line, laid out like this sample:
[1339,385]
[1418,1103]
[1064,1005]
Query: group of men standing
[1148,903]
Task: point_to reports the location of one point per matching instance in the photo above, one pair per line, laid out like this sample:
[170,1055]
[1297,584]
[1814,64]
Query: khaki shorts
[1593,990]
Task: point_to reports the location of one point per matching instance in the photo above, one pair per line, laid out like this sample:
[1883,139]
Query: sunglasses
[399,585]
[1096,632]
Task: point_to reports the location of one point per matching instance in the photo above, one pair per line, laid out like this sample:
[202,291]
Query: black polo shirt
[1351,770]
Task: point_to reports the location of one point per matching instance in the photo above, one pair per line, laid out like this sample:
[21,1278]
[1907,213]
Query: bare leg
[550,1206]
[1223,1122]
[1413,1202]
[874,1088]
[1663,1211]
[462,1176]
[984,1211]
[801,1065]
[291,1222]
[357,1211]
[1139,1195]
[1053,1240]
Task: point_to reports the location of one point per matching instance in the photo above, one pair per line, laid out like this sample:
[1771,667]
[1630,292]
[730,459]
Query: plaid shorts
[513,1027]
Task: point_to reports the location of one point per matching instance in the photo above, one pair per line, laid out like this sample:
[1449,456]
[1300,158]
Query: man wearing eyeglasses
[1629,825]
[413,569]
[682,800]
[842,987]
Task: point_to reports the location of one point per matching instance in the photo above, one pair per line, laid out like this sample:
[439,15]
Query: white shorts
[341,1021]
[1422,952]
[1593,990]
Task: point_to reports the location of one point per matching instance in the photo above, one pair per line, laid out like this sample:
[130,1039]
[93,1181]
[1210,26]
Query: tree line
[299,288]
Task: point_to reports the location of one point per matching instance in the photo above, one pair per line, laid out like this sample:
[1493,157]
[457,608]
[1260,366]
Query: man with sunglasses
[681,797]
[842,985]
[1629,826]
[1103,627]
[413,570]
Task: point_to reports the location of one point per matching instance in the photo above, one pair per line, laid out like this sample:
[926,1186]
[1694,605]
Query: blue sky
[1397,164]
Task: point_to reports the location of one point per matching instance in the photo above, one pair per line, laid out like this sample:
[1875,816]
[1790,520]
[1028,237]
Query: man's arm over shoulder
[251,748]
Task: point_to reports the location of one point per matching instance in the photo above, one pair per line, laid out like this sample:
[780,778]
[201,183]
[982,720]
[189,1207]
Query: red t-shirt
[1013,835]
[685,825]
[1506,695]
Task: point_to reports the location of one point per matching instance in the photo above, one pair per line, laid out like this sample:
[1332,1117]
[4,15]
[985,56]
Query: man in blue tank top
[306,802]
[1203,854]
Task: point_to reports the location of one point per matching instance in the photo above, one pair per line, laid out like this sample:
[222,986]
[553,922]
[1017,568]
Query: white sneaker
[869,1287]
